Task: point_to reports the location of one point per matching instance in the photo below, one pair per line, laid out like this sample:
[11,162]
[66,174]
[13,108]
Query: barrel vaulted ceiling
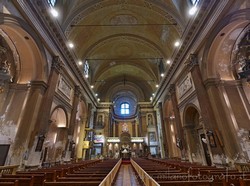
[125,42]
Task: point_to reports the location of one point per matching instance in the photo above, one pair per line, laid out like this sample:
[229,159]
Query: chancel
[124,92]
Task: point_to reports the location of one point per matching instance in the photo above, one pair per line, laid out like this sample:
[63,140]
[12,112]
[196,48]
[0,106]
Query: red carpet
[125,161]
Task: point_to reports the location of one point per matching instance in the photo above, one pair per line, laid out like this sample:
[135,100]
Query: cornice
[190,97]
[195,33]
[62,101]
[19,86]
[51,33]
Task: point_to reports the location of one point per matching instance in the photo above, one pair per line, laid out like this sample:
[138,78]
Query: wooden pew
[87,175]
[49,175]
[79,179]
[21,181]
[186,183]
[38,178]
[244,182]
[14,183]
[83,183]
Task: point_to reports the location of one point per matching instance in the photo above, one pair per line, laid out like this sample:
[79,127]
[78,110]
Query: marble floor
[127,177]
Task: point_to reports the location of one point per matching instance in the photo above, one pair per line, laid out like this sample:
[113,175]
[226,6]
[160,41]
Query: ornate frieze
[185,86]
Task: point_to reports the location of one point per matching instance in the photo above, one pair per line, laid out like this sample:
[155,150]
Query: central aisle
[127,177]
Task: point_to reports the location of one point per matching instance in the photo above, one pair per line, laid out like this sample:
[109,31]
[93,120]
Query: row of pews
[87,173]
[177,173]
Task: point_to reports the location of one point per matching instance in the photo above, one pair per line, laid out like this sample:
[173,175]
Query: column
[42,122]
[110,122]
[27,119]
[180,137]
[204,101]
[133,128]
[218,92]
[44,113]
[163,132]
[73,123]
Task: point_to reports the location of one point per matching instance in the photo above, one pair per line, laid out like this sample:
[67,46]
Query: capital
[77,91]
[171,89]
[56,63]
[193,61]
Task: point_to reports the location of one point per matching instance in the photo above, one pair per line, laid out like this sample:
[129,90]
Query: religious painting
[150,119]
[124,127]
[211,139]
[152,137]
[99,122]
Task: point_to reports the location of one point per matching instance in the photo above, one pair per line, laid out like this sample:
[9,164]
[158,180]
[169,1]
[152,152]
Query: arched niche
[191,116]
[28,52]
[170,128]
[57,136]
[59,117]
[81,124]
[217,59]
[191,123]
[81,111]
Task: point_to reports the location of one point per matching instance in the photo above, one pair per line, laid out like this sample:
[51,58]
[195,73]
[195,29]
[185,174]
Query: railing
[108,180]
[9,169]
[147,180]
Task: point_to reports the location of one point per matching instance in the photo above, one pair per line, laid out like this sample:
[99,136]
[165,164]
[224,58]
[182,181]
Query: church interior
[124,87]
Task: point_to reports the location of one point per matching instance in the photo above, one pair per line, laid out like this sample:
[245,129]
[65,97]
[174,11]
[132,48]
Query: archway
[24,64]
[170,128]
[230,95]
[57,136]
[125,145]
[82,144]
[195,137]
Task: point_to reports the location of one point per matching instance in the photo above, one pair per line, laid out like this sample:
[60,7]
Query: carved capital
[39,85]
[193,61]
[77,91]
[172,89]
[56,63]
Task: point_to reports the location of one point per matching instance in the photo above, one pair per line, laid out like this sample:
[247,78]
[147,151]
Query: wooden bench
[79,179]
[38,178]
[15,183]
[72,183]
[244,182]
[49,175]
[87,175]
[21,181]
[186,183]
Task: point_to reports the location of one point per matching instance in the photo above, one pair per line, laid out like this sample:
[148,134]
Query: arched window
[52,2]
[124,108]
[194,2]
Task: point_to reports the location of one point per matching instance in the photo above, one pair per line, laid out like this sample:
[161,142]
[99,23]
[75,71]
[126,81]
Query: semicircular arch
[217,58]
[30,54]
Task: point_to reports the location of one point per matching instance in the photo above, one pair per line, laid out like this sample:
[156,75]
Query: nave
[129,172]
[85,80]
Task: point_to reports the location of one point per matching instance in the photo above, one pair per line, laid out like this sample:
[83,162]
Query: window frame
[125,108]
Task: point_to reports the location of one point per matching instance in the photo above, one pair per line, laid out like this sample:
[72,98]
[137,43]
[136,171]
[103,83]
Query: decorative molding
[65,88]
[19,86]
[172,89]
[193,61]
[56,63]
[77,91]
[197,28]
[184,86]
[39,85]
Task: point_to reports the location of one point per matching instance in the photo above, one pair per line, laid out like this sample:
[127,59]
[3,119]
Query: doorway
[204,143]
[4,149]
